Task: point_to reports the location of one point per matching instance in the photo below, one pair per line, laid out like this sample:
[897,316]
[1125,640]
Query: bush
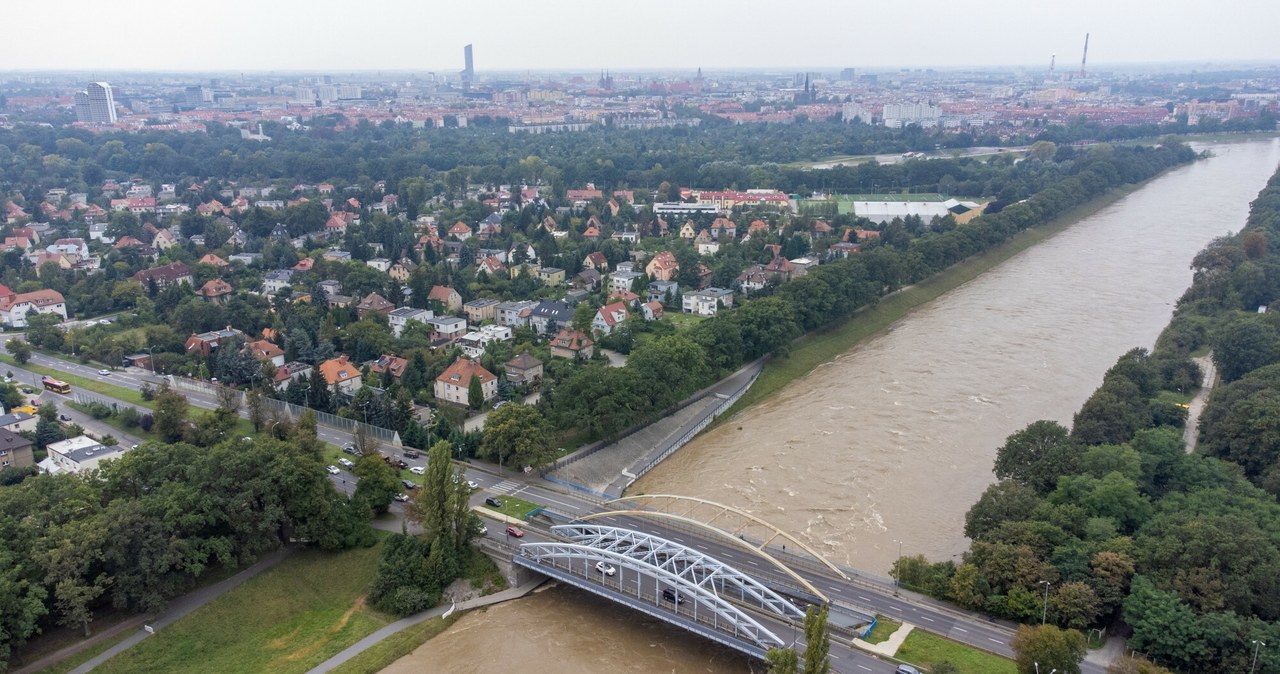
[147,392]
[130,417]
[99,410]
[147,421]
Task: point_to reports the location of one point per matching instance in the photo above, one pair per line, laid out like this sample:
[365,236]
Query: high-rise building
[95,105]
[469,72]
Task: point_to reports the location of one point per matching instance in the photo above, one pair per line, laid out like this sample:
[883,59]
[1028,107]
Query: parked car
[333,470]
[402,497]
[482,530]
[63,417]
[493,501]
[409,484]
[672,596]
[350,449]
[347,463]
[906,669]
[605,569]
[411,453]
[515,531]
[418,470]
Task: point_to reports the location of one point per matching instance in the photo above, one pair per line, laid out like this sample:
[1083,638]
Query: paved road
[1192,431]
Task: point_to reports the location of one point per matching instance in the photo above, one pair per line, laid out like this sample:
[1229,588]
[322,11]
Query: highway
[863,592]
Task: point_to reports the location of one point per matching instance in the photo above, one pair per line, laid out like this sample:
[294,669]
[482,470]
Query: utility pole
[1044,614]
[1256,645]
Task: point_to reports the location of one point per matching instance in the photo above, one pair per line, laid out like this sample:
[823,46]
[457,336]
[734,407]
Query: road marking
[859,596]
[567,505]
[995,640]
[961,629]
[752,562]
[864,667]
[832,656]
[896,608]
[925,617]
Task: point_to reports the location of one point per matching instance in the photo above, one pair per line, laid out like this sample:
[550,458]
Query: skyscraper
[95,105]
[469,72]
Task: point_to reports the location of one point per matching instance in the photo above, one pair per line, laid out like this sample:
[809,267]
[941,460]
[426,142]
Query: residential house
[337,255]
[403,270]
[164,240]
[705,244]
[216,291]
[276,281]
[663,266]
[74,246]
[206,343]
[664,291]
[374,303]
[15,450]
[389,365]
[460,230]
[215,262]
[842,250]
[164,276]
[802,265]
[446,296]
[382,264]
[596,261]
[79,454]
[448,328]
[622,281]
[330,287]
[609,317]
[492,265]
[707,302]
[480,310]
[18,422]
[266,352]
[587,278]
[574,344]
[514,314]
[340,374]
[652,311]
[399,318]
[290,372]
[551,276]
[453,385]
[548,316]
[15,307]
[753,279]
[687,230]
[782,268]
[474,343]
[724,229]
[524,369]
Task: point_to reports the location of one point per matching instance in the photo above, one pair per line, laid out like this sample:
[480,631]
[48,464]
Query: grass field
[816,348]
[118,392]
[922,648]
[86,655]
[288,619]
[380,655]
[885,627]
[682,322]
[516,507]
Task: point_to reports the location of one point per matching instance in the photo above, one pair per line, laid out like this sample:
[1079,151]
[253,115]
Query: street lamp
[1256,645]
[1044,614]
[151,358]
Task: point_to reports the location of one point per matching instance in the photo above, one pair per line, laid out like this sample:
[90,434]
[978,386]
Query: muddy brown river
[888,445]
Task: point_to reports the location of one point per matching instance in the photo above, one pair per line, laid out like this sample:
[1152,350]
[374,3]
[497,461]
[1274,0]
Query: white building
[706,302]
[398,319]
[474,343]
[95,105]
[78,454]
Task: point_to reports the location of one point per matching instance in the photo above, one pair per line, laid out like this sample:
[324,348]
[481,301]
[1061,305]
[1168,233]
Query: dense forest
[1180,551]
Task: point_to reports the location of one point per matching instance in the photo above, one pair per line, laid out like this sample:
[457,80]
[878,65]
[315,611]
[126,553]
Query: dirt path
[1192,432]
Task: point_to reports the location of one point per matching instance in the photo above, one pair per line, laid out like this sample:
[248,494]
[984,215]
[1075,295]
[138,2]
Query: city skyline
[663,35]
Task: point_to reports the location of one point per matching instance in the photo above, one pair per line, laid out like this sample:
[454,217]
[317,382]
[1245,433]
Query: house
[474,343]
[625,296]
[75,246]
[622,281]
[172,274]
[514,314]
[548,316]
[79,454]
[18,422]
[15,307]
[802,265]
[572,344]
[724,229]
[164,240]
[664,291]
[596,261]
[753,279]
[448,328]
[214,261]
[592,233]
[663,266]
[374,303]
[842,250]
[524,369]
[341,375]
[330,287]
[337,255]
[551,276]
[399,318]
[492,265]
[609,317]
[290,372]
[460,230]
[206,343]
[782,268]
[587,278]
[15,450]
[446,296]
[705,244]
[454,383]
[652,311]
[382,264]
[480,310]
[305,264]
[626,235]
[706,302]
[687,231]
[216,291]
[389,365]
[403,270]
[276,281]
[266,352]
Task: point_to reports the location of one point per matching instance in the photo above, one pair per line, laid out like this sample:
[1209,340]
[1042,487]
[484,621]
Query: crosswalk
[506,487]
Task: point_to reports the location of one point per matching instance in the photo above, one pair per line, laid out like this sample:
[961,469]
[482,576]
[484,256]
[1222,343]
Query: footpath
[437,612]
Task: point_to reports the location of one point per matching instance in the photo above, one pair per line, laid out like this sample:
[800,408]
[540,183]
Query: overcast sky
[428,35]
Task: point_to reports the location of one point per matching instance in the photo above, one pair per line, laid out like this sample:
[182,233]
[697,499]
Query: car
[402,497]
[515,531]
[605,569]
[672,596]
[418,470]
[906,669]
[409,484]
[473,485]
[346,463]
[134,447]
[105,321]
[493,501]
[400,464]
[500,404]
[28,390]
[482,530]
[333,470]
[411,453]
[63,417]
[350,449]
[104,372]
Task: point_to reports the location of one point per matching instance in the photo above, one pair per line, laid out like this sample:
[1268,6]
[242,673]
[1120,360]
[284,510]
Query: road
[865,592]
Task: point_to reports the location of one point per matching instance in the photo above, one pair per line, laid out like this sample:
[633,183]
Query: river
[893,440]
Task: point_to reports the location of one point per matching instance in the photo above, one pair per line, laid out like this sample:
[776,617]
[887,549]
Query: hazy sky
[422,35]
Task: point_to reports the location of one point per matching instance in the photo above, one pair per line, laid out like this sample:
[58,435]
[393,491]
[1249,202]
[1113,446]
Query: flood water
[894,439]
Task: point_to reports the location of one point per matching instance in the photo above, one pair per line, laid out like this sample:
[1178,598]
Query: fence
[292,412]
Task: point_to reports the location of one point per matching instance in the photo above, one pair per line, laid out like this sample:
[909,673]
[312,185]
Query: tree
[475,394]
[782,661]
[964,588]
[257,409]
[1049,648]
[170,414]
[378,483]
[516,435]
[1036,456]
[1075,605]
[432,505]
[1004,501]
[1243,345]
[817,647]
[21,350]
[21,604]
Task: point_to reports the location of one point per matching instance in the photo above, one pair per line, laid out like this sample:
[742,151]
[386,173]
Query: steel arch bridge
[712,585]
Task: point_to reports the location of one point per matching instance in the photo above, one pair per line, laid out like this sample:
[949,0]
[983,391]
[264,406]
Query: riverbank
[814,349]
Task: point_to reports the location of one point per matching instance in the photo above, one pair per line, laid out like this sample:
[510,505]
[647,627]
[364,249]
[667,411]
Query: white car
[402,497]
[104,372]
[472,484]
[418,470]
[346,463]
[333,470]
[605,569]
[482,530]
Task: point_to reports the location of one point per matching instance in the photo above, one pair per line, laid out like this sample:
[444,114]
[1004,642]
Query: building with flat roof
[78,454]
[96,105]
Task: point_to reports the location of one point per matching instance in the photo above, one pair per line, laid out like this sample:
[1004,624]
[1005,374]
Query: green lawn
[86,655]
[516,507]
[242,428]
[682,322]
[885,627]
[380,655]
[118,392]
[288,619]
[922,648]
